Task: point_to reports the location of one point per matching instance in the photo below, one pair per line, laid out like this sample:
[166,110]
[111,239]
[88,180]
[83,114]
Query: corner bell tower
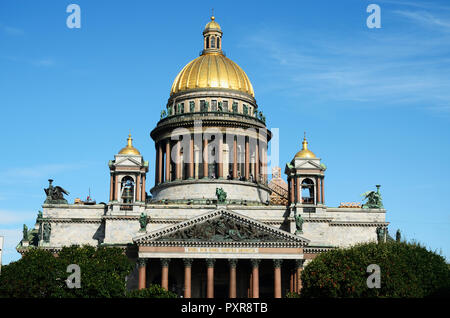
[305,174]
[128,174]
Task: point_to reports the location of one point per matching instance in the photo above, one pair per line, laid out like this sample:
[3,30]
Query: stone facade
[215,226]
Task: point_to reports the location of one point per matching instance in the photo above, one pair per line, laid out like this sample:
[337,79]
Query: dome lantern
[212,37]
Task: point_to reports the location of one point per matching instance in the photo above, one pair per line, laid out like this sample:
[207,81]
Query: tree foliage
[153,291]
[407,270]
[40,274]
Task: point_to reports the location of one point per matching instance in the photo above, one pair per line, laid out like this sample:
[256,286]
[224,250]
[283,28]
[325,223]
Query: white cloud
[389,69]
[425,18]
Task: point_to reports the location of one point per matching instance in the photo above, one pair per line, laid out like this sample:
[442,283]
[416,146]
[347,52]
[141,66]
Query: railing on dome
[203,51]
[223,114]
[126,207]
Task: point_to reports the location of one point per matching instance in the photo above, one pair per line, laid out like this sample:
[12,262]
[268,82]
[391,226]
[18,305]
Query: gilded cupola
[212,69]
[305,152]
[129,149]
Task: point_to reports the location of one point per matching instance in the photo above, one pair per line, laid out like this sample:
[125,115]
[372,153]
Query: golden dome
[212,70]
[129,149]
[305,153]
[212,25]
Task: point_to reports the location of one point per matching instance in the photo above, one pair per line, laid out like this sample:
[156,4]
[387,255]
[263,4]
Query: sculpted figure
[55,195]
[373,198]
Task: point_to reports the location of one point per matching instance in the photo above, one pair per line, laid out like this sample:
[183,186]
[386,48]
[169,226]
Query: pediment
[128,162]
[309,164]
[221,226]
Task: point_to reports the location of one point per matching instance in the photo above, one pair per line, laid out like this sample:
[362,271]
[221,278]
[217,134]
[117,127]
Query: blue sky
[375,103]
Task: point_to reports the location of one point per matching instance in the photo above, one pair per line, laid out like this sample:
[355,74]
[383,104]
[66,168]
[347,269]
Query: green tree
[39,274]
[36,275]
[103,270]
[153,291]
[407,270]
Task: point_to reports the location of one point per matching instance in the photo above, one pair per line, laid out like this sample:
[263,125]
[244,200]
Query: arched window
[308,191]
[213,42]
[207,42]
[218,42]
[127,190]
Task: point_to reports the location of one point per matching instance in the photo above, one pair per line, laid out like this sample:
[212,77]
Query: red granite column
[142,268]
[265,163]
[295,281]
[247,160]
[167,176]
[210,278]
[138,187]
[187,277]
[292,189]
[257,161]
[160,163]
[143,188]
[116,189]
[277,277]
[205,158]
[111,188]
[298,270]
[323,194]
[250,288]
[233,263]
[165,273]
[235,163]
[191,157]
[178,160]
[255,278]
[291,282]
[299,190]
[220,158]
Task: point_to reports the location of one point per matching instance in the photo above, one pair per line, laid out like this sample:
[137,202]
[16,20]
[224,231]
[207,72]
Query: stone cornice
[358,223]
[149,238]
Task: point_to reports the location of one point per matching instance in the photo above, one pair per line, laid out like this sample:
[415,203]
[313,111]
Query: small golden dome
[212,70]
[305,153]
[212,25]
[129,149]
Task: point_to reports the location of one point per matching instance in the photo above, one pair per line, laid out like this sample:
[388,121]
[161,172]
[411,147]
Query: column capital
[233,262]
[277,263]
[165,262]
[188,262]
[255,262]
[142,262]
[210,262]
[299,263]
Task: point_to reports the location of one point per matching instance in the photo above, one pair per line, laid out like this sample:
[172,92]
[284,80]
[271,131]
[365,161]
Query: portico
[222,253]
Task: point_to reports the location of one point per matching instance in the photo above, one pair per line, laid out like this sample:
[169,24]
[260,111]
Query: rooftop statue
[25,233]
[221,195]
[46,232]
[374,200]
[298,223]
[381,234]
[143,221]
[55,194]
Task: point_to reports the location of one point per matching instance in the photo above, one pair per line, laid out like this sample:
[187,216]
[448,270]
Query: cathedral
[211,224]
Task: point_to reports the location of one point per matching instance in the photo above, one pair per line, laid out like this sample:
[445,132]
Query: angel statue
[221,195]
[373,199]
[55,194]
